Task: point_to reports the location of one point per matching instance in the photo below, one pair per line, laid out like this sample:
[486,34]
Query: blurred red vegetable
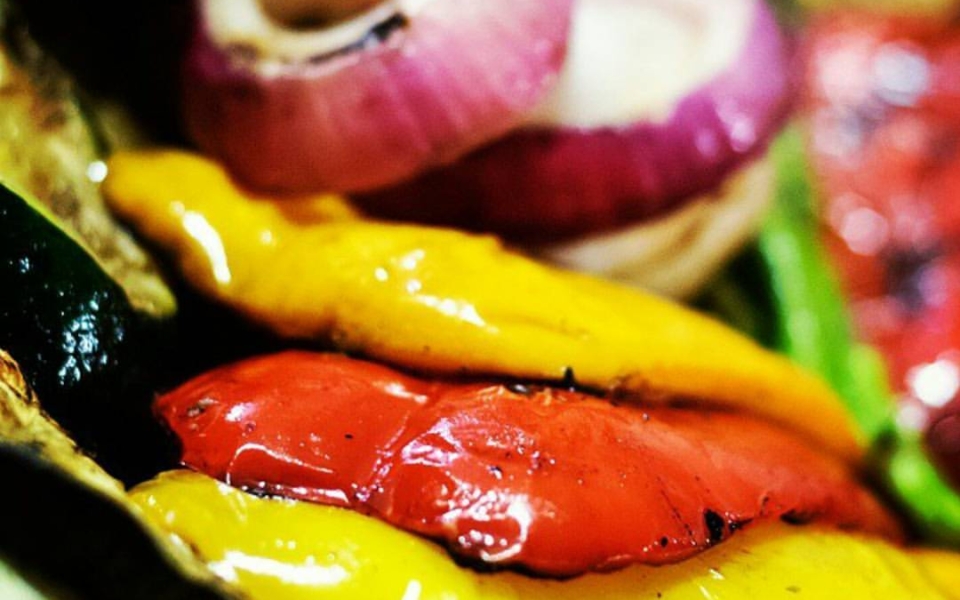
[883,97]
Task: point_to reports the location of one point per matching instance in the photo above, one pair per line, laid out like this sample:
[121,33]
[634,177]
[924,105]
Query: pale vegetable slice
[22,422]
[16,586]
[442,301]
[283,550]
[676,254]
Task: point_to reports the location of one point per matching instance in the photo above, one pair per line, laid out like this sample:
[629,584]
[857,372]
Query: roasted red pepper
[883,97]
[552,480]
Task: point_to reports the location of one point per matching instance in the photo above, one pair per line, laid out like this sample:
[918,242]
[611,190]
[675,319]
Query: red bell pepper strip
[551,480]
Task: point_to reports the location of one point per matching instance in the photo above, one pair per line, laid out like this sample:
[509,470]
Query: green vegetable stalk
[812,326]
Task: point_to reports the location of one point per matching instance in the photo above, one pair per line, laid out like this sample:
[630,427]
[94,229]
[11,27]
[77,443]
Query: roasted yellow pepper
[943,568]
[446,302]
[281,549]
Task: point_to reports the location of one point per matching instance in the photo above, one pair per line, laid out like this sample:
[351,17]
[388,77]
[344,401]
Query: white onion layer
[632,61]
[677,254]
[249,24]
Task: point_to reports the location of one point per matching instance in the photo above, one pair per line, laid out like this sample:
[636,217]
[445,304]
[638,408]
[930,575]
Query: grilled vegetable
[294,98]
[49,149]
[505,475]
[69,526]
[657,104]
[446,302]
[281,550]
[90,314]
[79,340]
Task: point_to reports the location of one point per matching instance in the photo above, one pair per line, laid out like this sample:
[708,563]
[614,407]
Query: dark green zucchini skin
[81,345]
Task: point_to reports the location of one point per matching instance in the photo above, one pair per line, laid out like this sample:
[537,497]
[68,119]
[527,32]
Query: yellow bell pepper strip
[447,302]
[943,568]
[285,550]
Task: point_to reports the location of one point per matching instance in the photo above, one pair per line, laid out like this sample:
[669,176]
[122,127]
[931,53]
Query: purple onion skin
[540,185]
[456,77]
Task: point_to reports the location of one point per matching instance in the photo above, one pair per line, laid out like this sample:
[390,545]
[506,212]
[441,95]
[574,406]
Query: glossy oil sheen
[554,481]
[80,344]
[442,301]
[284,550]
[62,316]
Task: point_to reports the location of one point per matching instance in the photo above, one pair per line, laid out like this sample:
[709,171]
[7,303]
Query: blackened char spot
[715,525]
[384,29]
[377,34]
[260,491]
[796,517]
[569,379]
[738,525]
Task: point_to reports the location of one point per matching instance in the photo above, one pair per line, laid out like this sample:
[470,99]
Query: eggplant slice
[68,525]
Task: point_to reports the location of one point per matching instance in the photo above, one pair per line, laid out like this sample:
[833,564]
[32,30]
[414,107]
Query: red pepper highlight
[553,481]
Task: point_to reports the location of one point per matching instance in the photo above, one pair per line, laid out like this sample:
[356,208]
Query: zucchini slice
[81,344]
[85,310]
[49,149]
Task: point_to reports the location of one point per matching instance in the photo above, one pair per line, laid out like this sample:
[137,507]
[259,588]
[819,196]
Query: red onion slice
[589,161]
[367,101]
